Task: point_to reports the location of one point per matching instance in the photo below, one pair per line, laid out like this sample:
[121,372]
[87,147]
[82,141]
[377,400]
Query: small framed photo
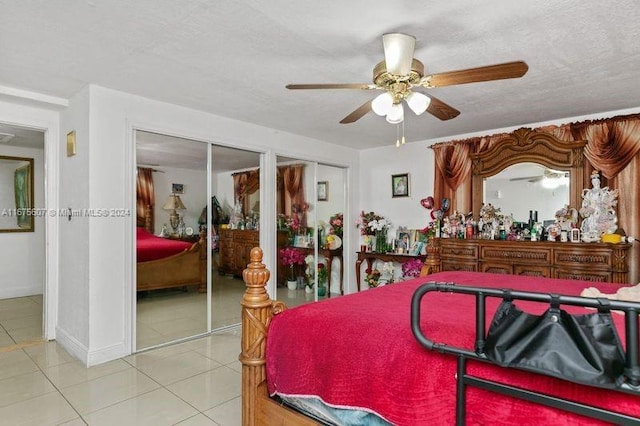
[404,241]
[301,241]
[323,191]
[177,188]
[416,248]
[400,185]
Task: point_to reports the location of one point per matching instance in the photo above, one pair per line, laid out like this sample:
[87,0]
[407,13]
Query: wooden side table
[385,257]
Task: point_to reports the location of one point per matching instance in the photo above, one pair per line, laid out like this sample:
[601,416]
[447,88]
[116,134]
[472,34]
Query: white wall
[22,254]
[113,118]
[375,183]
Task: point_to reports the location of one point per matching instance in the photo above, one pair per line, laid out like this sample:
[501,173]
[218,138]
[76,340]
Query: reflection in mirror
[16,194]
[528,186]
[310,206]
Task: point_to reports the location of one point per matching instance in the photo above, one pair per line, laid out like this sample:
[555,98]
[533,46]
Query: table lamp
[174,203]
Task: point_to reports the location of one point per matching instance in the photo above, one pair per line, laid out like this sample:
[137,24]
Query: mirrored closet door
[310,203]
[204,201]
[171,252]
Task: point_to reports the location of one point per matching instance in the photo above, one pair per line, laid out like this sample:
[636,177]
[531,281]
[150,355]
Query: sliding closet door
[310,206]
[331,196]
[171,255]
[235,224]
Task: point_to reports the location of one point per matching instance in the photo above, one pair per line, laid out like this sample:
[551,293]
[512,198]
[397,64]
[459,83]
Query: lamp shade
[174,203]
[382,103]
[396,114]
[398,52]
[418,102]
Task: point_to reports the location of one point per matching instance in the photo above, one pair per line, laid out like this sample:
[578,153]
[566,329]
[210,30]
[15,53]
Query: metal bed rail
[629,383]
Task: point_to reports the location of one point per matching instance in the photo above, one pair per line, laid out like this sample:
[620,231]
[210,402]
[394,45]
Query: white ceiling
[234,58]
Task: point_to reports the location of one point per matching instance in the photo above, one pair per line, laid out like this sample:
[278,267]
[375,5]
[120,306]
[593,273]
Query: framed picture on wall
[323,191]
[177,188]
[400,185]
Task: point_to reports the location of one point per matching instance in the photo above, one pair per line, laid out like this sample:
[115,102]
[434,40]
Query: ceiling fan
[400,74]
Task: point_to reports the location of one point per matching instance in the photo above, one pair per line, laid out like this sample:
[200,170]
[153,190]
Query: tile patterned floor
[189,384]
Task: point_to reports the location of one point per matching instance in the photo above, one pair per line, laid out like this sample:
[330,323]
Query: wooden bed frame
[186,268]
[257,311]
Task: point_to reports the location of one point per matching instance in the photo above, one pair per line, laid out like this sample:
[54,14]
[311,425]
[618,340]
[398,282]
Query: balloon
[427,203]
[436,214]
[445,205]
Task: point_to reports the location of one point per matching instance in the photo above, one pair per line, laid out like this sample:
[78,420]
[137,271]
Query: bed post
[256,314]
[432,262]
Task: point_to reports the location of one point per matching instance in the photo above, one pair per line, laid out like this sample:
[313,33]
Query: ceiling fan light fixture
[398,52]
[418,102]
[382,104]
[396,114]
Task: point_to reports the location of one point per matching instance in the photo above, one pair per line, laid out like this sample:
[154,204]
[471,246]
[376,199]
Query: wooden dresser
[235,247]
[596,262]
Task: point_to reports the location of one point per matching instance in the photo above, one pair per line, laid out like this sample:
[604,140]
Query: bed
[165,263]
[376,365]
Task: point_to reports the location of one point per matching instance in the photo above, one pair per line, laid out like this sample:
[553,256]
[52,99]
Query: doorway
[22,252]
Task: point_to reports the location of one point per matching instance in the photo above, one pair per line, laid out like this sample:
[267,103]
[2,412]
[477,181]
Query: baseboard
[107,354]
[22,291]
[72,345]
[87,357]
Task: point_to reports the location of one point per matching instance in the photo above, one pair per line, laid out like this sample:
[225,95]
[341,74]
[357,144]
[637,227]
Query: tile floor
[20,320]
[188,384]
[192,383]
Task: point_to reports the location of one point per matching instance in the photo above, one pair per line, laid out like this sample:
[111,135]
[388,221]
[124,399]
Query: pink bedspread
[149,247]
[358,351]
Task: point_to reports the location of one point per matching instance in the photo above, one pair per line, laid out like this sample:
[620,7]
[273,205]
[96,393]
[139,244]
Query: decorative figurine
[598,210]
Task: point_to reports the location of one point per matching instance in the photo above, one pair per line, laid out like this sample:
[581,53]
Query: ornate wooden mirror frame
[526,145]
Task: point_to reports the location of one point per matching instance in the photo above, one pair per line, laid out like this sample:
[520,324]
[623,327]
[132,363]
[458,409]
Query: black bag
[580,348]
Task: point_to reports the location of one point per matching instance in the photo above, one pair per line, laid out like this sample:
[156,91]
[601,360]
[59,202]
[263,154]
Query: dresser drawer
[453,249]
[594,257]
[576,274]
[506,254]
[532,271]
[459,266]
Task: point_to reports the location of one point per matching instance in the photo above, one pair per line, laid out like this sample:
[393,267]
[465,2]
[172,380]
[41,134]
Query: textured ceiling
[234,58]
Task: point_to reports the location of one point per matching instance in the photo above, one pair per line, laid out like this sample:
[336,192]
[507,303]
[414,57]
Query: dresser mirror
[525,187]
[16,194]
[525,159]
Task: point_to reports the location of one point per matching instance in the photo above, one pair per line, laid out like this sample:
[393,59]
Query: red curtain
[245,184]
[145,199]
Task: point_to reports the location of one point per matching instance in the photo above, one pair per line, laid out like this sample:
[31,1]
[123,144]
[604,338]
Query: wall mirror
[525,187]
[530,157]
[16,194]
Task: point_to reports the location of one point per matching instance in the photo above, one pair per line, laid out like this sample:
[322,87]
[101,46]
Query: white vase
[292,285]
[308,289]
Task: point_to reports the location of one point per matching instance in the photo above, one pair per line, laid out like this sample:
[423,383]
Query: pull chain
[403,141]
[398,135]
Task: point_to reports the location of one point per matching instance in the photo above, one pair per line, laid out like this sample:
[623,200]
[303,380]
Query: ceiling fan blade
[362,86]
[529,178]
[398,52]
[439,109]
[356,115]
[474,75]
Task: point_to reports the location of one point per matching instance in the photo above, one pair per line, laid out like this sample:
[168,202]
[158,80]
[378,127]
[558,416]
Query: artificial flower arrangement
[337,223]
[411,269]
[372,223]
[322,272]
[291,257]
[372,278]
